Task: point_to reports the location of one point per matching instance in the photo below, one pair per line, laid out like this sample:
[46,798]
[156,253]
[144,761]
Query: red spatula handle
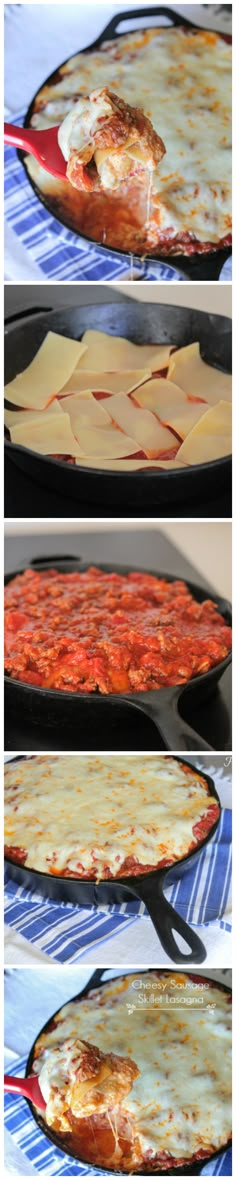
[20,137]
[27,1087]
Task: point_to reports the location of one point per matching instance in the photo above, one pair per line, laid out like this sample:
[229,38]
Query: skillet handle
[165,920]
[96,977]
[55,557]
[162,708]
[174,18]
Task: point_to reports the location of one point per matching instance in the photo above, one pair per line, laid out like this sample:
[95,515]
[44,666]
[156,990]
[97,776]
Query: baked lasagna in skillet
[101,818]
[180,80]
[176,1028]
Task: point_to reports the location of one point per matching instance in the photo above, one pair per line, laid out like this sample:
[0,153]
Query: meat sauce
[108,633]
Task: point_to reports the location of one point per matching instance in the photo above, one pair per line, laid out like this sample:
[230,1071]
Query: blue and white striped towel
[67,933]
[46,1158]
[59,253]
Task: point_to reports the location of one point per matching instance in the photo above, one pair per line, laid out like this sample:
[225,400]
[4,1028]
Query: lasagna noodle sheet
[53,436]
[14,417]
[120,382]
[48,372]
[197,379]
[211,438]
[131,464]
[85,412]
[151,436]
[171,405]
[105,352]
[105,443]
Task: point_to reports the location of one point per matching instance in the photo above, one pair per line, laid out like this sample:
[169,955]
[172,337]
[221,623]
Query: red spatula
[41,144]
[28,1087]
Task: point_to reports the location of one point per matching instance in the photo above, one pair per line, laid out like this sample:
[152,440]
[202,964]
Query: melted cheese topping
[75,811]
[182,82]
[181,1102]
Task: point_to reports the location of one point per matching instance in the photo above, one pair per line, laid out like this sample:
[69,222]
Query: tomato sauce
[108,633]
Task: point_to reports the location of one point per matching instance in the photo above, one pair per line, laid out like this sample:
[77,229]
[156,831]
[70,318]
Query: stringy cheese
[198,379]
[49,370]
[211,438]
[181,1102]
[71,809]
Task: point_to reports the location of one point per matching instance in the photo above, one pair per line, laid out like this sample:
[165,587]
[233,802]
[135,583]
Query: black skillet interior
[148,887]
[162,705]
[143,324]
[95,981]
[197,267]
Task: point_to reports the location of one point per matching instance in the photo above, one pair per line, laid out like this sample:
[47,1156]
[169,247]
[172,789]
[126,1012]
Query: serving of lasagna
[77,1077]
[105,141]
[101,818]
[96,631]
[176,1028]
[177,81]
[106,402]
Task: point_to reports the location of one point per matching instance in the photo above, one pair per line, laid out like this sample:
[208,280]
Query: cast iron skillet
[199,266]
[148,887]
[161,705]
[141,492]
[96,980]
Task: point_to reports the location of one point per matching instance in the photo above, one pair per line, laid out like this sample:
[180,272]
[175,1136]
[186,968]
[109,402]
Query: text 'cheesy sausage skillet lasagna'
[176,1028]
[108,632]
[101,818]
[180,82]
